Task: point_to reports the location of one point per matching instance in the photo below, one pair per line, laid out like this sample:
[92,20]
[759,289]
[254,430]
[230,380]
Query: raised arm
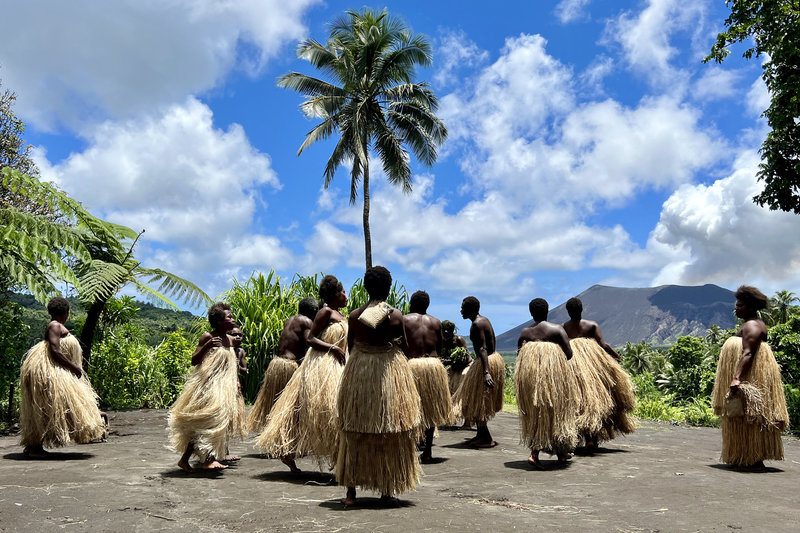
[563,341]
[320,323]
[206,342]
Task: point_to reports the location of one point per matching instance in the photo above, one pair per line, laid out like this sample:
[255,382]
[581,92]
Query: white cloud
[646,37]
[592,78]
[194,188]
[454,51]
[716,83]
[758,97]
[82,61]
[571,10]
[725,238]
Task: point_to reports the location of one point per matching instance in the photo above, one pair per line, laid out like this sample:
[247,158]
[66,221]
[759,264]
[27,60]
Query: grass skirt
[276,377]
[57,408]
[749,439]
[547,396]
[455,377]
[303,419]
[616,381]
[379,415]
[595,402]
[473,401]
[434,391]
[210,408]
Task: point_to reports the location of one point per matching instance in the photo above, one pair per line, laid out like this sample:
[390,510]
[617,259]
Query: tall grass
[262,304]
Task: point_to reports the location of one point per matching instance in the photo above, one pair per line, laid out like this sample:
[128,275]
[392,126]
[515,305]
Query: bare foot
[185,466]
[534,462]
[563,459]
[288,461]
[231,458]
[35,452]
[350,497]
[484,444]
[213,464]
[425,459]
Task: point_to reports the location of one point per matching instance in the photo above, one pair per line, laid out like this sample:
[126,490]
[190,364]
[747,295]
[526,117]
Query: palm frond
[99,280]
[174,286]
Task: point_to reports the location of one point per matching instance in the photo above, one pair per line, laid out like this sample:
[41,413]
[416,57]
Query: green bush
[784,339]
[793,405]
[126,373]
[13,345]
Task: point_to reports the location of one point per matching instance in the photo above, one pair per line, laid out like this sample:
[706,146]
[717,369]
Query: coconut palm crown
[371,101]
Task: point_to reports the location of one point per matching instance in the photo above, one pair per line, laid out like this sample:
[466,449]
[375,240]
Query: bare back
[293,343]
[424,335]
[588,329]
[390,330]
[546,332]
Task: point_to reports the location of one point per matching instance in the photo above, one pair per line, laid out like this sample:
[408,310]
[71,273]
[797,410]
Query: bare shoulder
[205,336]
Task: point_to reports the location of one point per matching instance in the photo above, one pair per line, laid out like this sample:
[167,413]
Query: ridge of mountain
[657,315]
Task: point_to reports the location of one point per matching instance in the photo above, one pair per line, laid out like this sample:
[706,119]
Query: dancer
[303,419]
[747,370]
[480,394]
[58,405]
[292,347]
[546,388]
[378,404]
[424,336]
[241,356]
[607,396]
[455,355]
[209,409]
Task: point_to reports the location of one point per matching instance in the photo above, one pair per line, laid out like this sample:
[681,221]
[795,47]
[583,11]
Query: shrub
[13,344]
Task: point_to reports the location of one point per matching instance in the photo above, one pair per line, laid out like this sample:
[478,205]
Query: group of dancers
[360,393]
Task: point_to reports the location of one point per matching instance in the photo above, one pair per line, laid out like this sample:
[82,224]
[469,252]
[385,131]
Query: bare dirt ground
[662,478]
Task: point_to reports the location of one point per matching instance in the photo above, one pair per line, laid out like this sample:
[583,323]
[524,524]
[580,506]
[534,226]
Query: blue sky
[588,144]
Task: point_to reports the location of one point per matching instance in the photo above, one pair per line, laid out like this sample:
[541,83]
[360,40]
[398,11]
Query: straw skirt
[434,391]
[379,415]
[278,374]
[595,403]
[210,408]
[547,396]
[473,401]
[616,381]
[749,439]
[303,419]
[454,378]
[57,408]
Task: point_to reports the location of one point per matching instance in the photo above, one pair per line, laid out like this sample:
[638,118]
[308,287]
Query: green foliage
[687,352]
[784,339]
[261,306]
[793,405]
[13,344]
[774,30]
[357,296]
[371,101]
[126,373]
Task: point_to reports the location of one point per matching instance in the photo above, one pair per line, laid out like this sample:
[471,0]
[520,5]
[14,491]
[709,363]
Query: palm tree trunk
[89,328]
[367,235]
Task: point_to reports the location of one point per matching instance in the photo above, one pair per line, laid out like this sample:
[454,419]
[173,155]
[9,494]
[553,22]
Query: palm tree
[371,101]
[713,334]
[781,304]
[111,267]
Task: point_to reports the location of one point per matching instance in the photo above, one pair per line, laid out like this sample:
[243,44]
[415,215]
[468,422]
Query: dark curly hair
[58,306]
[308,307]
[539,309]
[329,287]
[470,304]
[448,325]
[419,302]
[754,298]
[378,282]
[574,308]
[217,313]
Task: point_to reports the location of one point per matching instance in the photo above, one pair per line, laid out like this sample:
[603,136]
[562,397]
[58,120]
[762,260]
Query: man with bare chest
[424,340]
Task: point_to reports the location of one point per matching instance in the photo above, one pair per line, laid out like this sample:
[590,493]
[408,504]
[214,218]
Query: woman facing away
[58,404]
[747,369]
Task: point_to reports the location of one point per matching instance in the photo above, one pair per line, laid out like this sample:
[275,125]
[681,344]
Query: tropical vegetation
[371,101]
